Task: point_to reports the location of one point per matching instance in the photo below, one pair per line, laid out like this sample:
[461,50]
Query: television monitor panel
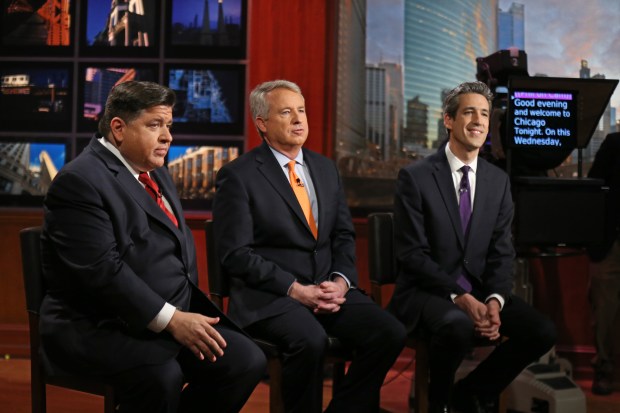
[211,28]
[122,28]
[81,142]
[210,98]
[193,166]
[27,167]
[542,118]
[35,96]
[548,117]
[96,83]
[37,28]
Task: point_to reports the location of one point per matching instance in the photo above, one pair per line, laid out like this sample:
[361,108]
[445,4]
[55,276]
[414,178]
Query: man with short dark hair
[120,265]
[453,213]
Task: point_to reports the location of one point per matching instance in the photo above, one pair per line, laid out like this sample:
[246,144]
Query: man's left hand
[332,297]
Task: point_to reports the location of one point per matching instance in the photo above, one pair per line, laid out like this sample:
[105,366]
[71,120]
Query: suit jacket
[264,241]
[430,247]
[606,166]
[111,259]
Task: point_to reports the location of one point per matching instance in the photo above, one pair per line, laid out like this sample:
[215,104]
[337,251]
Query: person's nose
[166,136]
[296,118]
[477,118]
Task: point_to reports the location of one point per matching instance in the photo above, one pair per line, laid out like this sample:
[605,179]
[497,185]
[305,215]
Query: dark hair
[451,103]
[127,100]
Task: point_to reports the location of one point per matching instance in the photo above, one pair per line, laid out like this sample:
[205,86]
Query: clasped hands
[485,316]
[324,298]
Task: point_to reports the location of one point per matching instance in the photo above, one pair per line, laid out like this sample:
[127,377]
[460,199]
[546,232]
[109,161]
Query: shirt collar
[117,153]
[456,163]
[284,160]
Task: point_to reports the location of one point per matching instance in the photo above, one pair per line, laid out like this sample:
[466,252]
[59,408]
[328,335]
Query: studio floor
[15,392]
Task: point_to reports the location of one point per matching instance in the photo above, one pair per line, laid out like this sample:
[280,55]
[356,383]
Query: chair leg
[337,375]
[421,377]
[274,368]
[109,404]
[502,403]
[38,390]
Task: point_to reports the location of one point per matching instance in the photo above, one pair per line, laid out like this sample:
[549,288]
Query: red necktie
[302,197]
[153,190]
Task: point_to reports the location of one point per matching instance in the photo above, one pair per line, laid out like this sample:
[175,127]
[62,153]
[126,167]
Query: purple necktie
[465,199]
[465,212]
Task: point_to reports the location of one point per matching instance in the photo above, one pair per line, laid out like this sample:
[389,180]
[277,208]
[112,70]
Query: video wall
[59,59]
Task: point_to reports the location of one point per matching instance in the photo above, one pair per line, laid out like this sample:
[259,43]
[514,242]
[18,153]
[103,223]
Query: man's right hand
[319,300]
[476,310]
[195,332]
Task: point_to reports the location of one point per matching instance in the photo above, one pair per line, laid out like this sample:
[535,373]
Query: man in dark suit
[122,301]
[605,266]
[456,265]
[292,261]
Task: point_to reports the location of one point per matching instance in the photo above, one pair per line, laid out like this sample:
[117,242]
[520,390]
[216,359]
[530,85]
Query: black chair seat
[35,289]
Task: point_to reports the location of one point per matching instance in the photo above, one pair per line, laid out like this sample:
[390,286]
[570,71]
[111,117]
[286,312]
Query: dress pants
[376,337]
[526,333]
[220,386]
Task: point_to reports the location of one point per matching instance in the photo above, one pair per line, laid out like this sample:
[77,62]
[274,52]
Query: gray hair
[127,100]
[259,106]
[451,103]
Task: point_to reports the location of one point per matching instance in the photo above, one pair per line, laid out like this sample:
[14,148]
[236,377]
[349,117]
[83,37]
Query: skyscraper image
[441,45]
[511,27]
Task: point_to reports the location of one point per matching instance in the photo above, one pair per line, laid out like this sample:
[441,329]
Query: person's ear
[117,127]
[447,121]
[261,125]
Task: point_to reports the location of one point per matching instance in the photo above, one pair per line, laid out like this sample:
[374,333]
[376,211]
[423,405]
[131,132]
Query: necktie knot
[153,190]
[150,185]
[464,186]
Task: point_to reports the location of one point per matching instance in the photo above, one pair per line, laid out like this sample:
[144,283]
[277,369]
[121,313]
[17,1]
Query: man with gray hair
[453,213]
[287,242]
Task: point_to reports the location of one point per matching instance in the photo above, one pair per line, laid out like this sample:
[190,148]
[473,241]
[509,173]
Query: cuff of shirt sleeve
[162,318]
[288,292]
[499,298]
[335,274]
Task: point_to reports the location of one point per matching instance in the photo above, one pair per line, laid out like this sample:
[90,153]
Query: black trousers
[222,386]
[527,336]
[375,335]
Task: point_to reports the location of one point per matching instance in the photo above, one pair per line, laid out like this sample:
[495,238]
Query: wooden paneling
[12,298]
[560,287]
[13,315]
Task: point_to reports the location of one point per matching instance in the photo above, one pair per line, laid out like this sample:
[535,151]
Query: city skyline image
[559,35]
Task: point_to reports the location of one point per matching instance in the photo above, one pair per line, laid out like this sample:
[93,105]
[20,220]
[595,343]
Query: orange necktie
[302,196]
[153,190]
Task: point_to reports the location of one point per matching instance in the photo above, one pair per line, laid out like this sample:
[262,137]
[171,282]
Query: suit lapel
[480,198]
[317,174]
[445,184]
[137,192]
